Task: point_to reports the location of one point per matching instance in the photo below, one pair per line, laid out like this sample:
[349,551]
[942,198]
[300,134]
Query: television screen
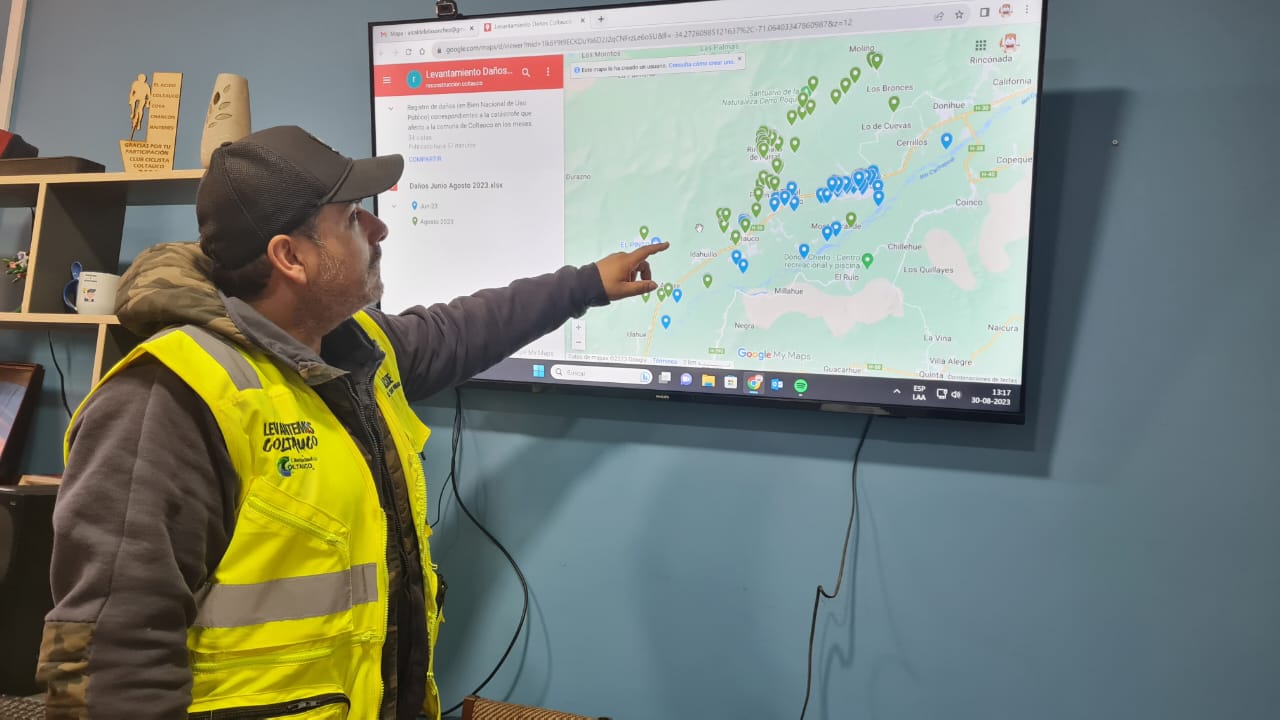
[846,187]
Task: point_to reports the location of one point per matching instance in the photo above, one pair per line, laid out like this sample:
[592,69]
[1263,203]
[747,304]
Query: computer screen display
[846,188]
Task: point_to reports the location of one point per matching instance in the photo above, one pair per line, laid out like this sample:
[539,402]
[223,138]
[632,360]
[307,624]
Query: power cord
[524,585]
[453,457]
[821,592]
[62,379]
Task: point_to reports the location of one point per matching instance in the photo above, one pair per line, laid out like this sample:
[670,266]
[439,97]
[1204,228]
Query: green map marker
[735,237]
[791,117]
[757,193]
[662,294]
[795,144]
[415,221]
[845,84]
[777,144]
[668,287]
[724,225]
[755,209]
[813,83]
[893,103]
[811,106]
[867,259]
[645,297]
[724,213]
[774,182]
[803,97]
[835,95]
[644,232]
[855,73]
[745,224]
[875,59]
[803,112]
[851,220]
[706,280]
[777,164]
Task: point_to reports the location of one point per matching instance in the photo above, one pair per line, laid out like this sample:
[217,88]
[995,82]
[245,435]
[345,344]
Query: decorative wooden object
[161,98]
[228,116]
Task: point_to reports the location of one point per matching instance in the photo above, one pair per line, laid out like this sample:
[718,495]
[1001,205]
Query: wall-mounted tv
[846,187]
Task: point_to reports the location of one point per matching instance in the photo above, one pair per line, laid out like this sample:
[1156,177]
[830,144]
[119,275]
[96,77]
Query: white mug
[96,293]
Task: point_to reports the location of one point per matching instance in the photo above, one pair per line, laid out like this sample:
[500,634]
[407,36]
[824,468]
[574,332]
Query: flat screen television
[846,186]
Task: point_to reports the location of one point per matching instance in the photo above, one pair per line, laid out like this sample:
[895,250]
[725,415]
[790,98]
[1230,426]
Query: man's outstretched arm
[447,343]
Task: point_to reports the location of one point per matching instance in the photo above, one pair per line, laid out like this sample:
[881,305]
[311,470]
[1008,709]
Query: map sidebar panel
[847,192]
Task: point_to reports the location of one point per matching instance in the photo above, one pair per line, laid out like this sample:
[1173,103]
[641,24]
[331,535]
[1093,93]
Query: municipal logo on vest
[286,465]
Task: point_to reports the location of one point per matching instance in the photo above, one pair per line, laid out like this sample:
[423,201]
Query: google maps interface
[846,191]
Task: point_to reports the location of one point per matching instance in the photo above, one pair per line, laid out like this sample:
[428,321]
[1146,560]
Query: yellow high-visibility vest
[294,617]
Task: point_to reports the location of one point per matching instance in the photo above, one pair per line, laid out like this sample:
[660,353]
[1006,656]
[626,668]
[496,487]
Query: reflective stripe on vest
[287,599]
[297,607]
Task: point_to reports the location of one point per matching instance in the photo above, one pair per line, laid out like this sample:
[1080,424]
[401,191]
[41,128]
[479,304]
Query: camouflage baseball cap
[270,182]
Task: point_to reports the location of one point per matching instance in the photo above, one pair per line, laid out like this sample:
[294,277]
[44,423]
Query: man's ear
[288,257]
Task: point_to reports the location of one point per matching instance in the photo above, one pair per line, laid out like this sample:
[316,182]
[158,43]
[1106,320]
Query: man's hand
[620,270]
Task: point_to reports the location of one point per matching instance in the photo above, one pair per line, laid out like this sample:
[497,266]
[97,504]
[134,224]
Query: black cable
[821,592]
[524,585]
[453,457]
[62,379]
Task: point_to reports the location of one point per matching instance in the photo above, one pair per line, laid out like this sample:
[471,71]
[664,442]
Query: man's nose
[375,229]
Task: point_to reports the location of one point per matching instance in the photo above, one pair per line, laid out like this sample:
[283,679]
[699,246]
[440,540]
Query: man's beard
[337,296]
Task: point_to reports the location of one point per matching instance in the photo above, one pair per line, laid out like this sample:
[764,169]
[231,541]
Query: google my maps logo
[758,354]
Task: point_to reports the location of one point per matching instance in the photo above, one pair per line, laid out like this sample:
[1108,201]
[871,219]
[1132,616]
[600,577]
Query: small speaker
[26,549]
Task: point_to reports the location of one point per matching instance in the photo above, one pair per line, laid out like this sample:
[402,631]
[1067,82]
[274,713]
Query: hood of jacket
[169,284]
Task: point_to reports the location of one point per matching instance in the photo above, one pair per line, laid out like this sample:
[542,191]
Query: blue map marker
[804,250]
[414,204]
[826,232]
[795,202]
[774,201]
[836,227]
[785,196]
[860,179]
[742,264]
[655,240]
[792,187]
[736,256]
[873,171]
[666,321]
[877,185]
[833,182]
[677,294]
[879,196]
[946,141]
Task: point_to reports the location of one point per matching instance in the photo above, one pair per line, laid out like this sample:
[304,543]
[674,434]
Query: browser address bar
[658,66]
[946,15]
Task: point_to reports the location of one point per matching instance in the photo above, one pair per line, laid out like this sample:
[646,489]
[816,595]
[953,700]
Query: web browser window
[846,187]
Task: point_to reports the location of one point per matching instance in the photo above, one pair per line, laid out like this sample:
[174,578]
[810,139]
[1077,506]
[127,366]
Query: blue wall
[1114,558]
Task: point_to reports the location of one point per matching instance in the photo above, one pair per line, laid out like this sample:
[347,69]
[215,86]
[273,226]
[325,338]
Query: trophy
[157,102]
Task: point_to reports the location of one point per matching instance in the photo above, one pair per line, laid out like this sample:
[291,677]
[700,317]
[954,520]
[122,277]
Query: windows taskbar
[921,397]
